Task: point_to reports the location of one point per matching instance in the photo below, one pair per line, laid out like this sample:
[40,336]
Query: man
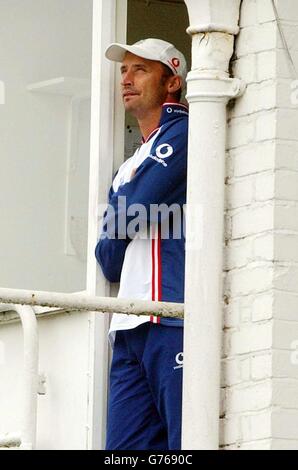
[148,257]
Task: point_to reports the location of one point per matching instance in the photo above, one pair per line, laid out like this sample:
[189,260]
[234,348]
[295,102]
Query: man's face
[144,85]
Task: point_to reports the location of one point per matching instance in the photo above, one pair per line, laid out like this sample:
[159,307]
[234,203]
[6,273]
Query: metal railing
[25,439]
[81,301]
[23,301]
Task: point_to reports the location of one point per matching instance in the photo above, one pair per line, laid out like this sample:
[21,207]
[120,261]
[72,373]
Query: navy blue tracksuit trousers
[144,411]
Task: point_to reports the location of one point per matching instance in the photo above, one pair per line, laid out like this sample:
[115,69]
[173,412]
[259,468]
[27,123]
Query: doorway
[163,19]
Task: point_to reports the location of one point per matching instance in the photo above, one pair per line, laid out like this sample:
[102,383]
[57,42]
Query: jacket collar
[170,111]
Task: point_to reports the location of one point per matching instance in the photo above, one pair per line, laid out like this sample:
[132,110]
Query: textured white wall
[260,367]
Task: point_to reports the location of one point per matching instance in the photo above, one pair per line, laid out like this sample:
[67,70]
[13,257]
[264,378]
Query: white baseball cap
[152,49]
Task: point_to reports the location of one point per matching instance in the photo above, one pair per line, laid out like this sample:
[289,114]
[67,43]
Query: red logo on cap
[175,62]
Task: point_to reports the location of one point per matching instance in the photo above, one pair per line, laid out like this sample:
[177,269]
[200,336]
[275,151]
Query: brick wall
[259,406]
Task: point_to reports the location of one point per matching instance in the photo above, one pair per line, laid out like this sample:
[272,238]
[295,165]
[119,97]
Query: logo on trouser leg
[179,360]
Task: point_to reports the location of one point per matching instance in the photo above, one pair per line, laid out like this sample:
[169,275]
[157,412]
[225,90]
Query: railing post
[26,440]
[213,24]
[29,323]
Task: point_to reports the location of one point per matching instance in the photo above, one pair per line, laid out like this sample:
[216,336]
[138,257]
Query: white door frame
[107,135]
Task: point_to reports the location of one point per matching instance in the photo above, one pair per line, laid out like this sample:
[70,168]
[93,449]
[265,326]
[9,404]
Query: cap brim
[116,52]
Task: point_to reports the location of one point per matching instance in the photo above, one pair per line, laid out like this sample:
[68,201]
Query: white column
[213,24]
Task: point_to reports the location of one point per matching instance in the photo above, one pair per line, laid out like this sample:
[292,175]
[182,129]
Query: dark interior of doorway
[163,19]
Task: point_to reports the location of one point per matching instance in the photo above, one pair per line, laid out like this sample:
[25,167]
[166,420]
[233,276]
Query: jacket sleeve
[109,251]
[110,255]
[160,179]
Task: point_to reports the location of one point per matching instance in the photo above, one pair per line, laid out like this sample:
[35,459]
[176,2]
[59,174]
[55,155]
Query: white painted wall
[41,40]
[260,367]
[44,188]
[64,358]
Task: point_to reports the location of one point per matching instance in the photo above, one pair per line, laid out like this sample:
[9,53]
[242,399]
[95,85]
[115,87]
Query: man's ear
[174,84]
